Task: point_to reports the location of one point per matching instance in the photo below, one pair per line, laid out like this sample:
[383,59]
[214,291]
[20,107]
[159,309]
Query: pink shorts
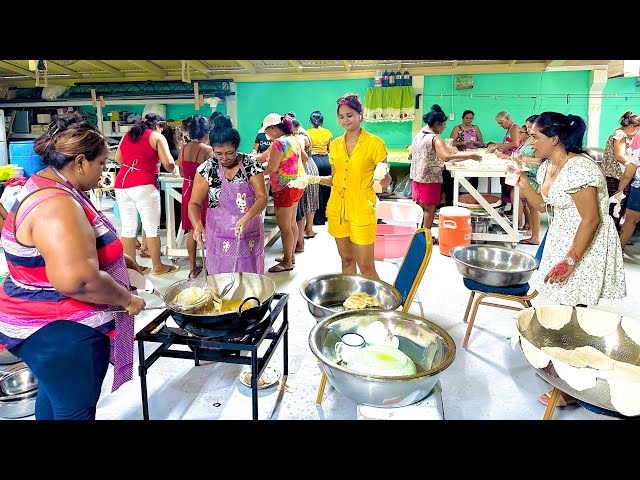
[287,197]
[425,193]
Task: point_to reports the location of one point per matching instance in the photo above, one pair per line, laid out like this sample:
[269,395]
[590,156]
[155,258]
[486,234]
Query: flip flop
[279,268]
[562,401]
[526,241]
[281,259]
[144,270]
[173,269]
[195,272]
[309,236]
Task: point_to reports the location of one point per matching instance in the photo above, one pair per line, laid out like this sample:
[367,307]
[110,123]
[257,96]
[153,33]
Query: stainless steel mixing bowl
[326,293]
[493,265]
[18,406]
[617,346]
[429,346]
[7,358]
[17,379]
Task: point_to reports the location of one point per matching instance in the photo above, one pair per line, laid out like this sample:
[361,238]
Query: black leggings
[324,169]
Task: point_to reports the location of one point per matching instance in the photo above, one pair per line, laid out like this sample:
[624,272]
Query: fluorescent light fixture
[631,68]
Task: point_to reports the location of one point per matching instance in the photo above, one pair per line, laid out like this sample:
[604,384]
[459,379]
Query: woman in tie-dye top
[67,278]
[285,156]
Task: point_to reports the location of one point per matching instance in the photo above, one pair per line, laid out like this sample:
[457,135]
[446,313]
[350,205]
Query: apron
[235,200]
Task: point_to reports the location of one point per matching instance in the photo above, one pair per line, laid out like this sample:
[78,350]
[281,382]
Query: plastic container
[22,154]
[454,228]
[392,241]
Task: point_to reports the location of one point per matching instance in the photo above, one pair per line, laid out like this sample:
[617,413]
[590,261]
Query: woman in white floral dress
[582,259]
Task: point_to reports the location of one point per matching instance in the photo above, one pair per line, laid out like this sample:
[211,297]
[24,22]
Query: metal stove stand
[156,331]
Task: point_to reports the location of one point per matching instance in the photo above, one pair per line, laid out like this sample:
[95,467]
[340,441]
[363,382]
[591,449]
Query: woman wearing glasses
[351,209]
[233,185]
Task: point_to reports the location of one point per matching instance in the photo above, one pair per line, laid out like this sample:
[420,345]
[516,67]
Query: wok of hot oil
[215,306]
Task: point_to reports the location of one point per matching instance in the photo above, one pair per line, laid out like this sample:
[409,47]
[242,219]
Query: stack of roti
[360,300]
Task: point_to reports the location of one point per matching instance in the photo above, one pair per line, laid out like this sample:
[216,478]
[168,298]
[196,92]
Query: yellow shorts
[359,234]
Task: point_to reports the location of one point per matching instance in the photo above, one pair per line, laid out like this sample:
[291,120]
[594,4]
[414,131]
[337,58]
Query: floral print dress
[600,271]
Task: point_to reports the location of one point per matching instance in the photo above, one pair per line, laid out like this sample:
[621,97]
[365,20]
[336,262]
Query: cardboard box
[44,118]
[39,129]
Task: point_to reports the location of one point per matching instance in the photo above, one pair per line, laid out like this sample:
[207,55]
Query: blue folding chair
[409,276]
[514,293]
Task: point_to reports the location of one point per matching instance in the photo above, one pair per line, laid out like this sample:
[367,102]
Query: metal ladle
[228,286]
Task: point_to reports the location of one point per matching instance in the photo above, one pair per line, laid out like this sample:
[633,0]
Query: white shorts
[143,199]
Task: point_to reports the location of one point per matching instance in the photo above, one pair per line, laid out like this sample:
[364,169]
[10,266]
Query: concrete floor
[487,381]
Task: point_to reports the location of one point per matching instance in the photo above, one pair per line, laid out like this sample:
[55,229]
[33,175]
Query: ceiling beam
[347,65]
[251,68]
[454,64]
[200,67]
[150,67]
[59,68]
[512,62]
[556,63]
[105,67]
[13,68]
[296,64]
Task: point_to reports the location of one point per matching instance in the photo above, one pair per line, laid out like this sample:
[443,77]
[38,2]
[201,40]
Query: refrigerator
[3,140]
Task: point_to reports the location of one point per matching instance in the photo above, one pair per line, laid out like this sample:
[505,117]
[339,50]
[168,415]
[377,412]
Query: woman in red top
[136,187]
[192,155]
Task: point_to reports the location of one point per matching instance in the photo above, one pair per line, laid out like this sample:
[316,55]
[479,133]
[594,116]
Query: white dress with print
[600,271]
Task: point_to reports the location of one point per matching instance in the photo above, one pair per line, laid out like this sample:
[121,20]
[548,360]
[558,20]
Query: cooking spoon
[226,289]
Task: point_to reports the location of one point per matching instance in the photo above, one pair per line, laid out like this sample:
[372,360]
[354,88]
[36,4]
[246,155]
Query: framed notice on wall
[464,81]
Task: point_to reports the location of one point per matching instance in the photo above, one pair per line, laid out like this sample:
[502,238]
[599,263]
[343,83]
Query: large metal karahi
[253,290]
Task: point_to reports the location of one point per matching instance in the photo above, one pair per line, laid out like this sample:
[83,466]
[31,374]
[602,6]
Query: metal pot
[17,379]
[7,358]
[252,293]
[18,406]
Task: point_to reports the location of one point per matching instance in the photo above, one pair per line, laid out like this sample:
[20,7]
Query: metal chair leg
[466,313]
[551,406]
[323,383]
[473,319]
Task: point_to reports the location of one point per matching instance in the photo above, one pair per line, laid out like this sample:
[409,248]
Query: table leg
[142,371]
[254,384]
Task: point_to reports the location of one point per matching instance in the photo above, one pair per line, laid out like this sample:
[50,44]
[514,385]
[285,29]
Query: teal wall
[513,92]
[615,103]
[257,99]
[173,111]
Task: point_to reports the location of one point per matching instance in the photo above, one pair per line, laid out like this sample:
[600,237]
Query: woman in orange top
[351,209]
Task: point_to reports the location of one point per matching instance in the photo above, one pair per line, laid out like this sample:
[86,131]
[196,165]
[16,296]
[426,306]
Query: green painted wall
[257,99]
[174,112]
[514,92]
[615,103]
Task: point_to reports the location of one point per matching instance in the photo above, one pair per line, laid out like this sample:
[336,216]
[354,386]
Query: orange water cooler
[454,228]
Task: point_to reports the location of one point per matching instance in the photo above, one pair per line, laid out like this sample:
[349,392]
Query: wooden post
[196,95]
[93,97]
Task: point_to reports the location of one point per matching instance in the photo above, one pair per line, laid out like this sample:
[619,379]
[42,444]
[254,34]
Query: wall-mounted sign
[464,81]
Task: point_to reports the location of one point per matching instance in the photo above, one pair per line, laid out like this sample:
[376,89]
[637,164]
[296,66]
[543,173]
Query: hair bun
[436,108]
[222,121]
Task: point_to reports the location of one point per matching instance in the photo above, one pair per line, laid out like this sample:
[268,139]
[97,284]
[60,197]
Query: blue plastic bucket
[22,154]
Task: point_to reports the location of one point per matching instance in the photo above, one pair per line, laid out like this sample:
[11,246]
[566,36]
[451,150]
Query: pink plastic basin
[392,240]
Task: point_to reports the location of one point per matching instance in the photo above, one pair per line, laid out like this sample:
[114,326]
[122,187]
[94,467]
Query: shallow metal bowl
[429,346]
[18,406]
[493,265]
[618,346]
[6,357]
[326,293]
[17,379]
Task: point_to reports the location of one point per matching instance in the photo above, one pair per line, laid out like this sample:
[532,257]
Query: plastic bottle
[392,79]
[399,79]
[407,81]
[377,79]
[385,79]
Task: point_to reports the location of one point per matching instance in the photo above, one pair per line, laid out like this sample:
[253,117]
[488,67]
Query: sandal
[279,268]
[173,269]
[195,272]
[281,259]
[309,236]
[299,250]
[144,270]
[563,399]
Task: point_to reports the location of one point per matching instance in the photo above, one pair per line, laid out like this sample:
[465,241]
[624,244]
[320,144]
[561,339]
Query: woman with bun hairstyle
[66,306]
[232,183]
[192,155]
[616,156]
[428,156]
[355,157]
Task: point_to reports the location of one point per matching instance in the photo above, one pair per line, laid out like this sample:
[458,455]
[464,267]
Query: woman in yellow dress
[351,209]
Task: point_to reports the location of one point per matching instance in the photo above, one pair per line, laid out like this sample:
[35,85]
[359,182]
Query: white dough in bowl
[631,327]
[554,317]
[597,322]
[536,357]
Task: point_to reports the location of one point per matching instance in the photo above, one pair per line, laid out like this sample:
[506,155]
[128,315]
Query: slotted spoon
[228,286]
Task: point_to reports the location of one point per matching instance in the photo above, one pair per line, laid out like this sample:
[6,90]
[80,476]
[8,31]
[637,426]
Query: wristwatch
[569,261]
